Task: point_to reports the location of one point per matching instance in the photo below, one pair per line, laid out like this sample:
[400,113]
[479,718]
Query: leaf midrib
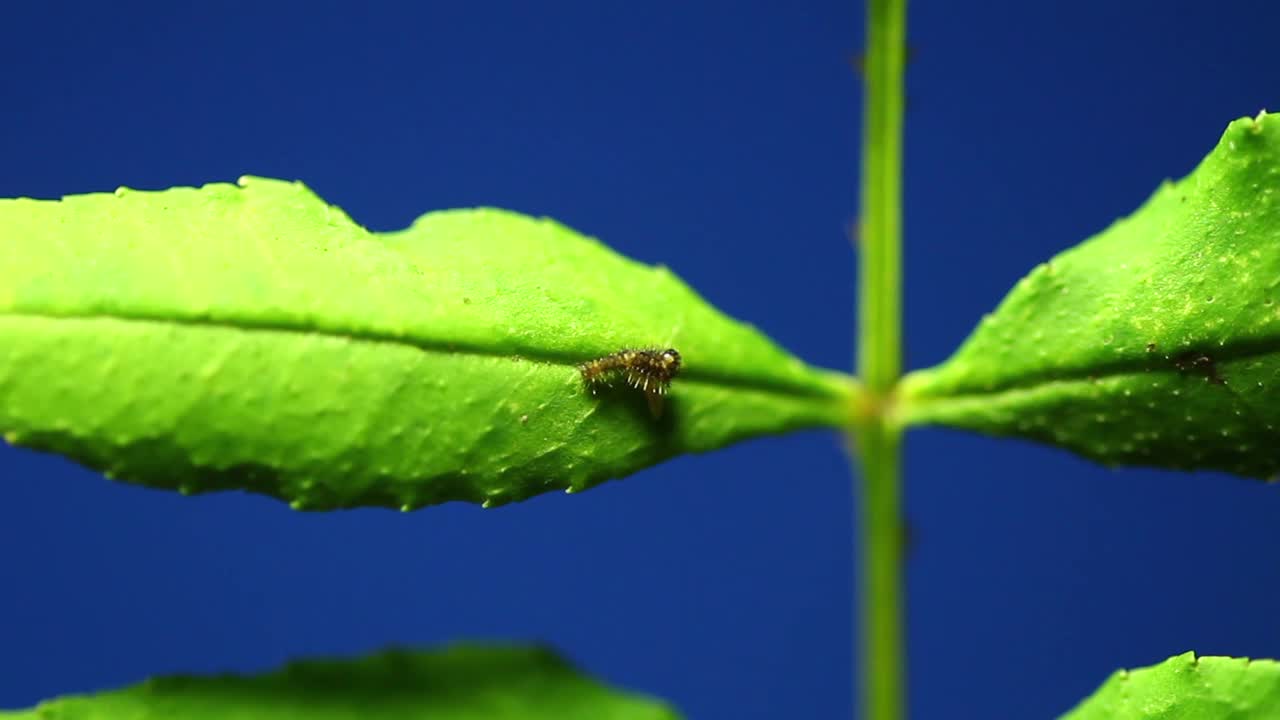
[764,385]
[1158,362]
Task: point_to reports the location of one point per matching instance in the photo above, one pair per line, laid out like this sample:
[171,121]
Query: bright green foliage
[1156,342]
[253,337]
[461,683]
[1185,687]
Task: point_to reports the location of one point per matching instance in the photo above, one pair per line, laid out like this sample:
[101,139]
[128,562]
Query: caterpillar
[650,370]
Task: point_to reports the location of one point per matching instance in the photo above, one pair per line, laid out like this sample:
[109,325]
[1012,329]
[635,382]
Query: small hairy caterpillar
[649,370]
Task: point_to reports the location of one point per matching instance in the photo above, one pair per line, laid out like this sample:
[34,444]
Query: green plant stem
[881,611]
[880,234]
[879,361]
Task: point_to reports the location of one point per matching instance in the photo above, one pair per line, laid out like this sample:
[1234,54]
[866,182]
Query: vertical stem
[882,657]
[879,362]
[880,235]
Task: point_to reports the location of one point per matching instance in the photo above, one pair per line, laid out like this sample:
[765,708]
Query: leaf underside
[1185,687]
[253,337]
[460,683]
[1156,342]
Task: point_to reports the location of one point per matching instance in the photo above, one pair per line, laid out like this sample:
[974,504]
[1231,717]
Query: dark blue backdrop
[722,140]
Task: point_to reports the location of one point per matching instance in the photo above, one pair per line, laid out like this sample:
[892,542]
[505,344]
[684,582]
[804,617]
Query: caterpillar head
[670,360]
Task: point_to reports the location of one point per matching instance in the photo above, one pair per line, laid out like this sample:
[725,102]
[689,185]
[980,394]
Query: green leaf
[459,683]
[253,337]
[1185,687]
[1157,342]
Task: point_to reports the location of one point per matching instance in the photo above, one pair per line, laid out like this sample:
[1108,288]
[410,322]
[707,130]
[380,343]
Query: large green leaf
[253,337]
[1156,342]
[1185,687]
[461,683]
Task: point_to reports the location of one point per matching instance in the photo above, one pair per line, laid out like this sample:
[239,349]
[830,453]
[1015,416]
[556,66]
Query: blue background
[720,139]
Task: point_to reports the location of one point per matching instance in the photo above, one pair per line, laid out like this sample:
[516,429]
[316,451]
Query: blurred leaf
[253,337]
[1156,342]
[1186,687]
[460,683]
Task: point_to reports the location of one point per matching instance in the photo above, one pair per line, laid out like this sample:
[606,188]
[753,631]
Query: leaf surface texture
[253,337]
[1156,342]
